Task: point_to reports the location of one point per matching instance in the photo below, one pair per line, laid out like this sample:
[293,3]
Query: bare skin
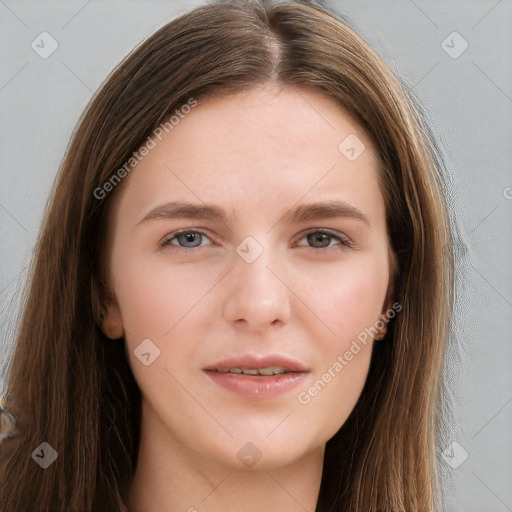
[216,443]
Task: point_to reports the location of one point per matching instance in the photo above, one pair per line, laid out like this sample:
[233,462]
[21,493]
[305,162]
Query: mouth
[262,372]
[258,377]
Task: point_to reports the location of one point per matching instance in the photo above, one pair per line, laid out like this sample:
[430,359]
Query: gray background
[468,101]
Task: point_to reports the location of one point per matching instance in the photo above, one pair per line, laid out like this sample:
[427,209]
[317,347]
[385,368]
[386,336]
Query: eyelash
[344,241]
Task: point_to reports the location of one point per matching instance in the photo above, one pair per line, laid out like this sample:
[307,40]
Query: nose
[257,297]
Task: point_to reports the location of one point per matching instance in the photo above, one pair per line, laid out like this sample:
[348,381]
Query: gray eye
[190,239]
[319,240]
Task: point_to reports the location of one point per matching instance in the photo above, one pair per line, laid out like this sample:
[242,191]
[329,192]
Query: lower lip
[257,386]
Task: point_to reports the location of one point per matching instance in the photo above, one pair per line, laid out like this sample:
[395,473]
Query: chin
[256,450]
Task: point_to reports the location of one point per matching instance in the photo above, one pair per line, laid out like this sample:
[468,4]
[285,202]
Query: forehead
[290,121]
[255,147]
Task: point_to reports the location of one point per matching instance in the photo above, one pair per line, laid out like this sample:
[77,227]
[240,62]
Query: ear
[383,318]
[106,311]
[388,300]
[383,330]
[111,323]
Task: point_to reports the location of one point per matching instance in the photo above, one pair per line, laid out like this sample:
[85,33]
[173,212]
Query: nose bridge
[257,296]
[256,276]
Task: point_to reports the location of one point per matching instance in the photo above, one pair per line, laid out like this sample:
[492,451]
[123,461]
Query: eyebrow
[300,213]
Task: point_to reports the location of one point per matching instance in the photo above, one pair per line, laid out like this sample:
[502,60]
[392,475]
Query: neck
[170,478]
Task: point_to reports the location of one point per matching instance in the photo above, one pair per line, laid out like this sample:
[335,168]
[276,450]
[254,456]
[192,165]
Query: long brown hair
[72,387]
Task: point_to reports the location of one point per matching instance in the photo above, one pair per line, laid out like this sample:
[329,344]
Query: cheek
[160,304]
[172,308]
[154,298]
[331,397]
[348,300]
[352,306]
[349,303]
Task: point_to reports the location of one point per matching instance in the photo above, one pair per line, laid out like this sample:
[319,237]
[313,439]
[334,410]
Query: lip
[261,361]
[261,386]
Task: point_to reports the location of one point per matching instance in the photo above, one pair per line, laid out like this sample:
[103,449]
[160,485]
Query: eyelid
[345,241]
[166,240]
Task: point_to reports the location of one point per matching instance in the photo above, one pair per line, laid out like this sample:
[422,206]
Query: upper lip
[256,361]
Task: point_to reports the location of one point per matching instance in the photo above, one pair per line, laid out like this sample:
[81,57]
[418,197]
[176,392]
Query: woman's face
[249,259]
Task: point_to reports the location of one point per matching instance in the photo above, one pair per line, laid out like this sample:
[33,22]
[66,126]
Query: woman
[241,292]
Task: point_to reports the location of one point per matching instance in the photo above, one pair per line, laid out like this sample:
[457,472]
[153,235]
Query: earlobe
[111,323]
[106,311]
[384,318]
[383,329]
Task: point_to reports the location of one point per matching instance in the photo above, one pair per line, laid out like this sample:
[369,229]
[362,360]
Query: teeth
[270,370]
[273,370]
[248,371]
